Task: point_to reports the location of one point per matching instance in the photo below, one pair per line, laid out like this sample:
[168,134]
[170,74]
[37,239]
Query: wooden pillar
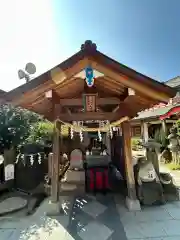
[56,160]
[50,161]
[108,144]
[144,131]
[164,127]
[131,200]
[55,167]
[128,159]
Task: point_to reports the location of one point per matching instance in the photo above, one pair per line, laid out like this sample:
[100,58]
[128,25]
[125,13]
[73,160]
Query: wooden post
[50,161]
[144,131]
[56,160]
[128,160]
[55,167]
[164,127]
[108,144]
[132,202]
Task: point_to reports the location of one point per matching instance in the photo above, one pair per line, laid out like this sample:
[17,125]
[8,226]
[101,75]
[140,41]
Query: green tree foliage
[135,143]
[19,126]
[15,125]
[41,132]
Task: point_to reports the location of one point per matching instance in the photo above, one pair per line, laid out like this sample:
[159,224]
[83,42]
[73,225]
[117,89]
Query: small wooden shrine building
[162,115]
[91,86]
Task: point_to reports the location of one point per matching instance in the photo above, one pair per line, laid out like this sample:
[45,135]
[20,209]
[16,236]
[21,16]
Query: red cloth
[106,179]
[99,180]
[91,184]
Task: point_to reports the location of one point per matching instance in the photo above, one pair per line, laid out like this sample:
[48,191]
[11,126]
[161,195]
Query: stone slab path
[158,223]
[174,173]
[101,218]
[11,204]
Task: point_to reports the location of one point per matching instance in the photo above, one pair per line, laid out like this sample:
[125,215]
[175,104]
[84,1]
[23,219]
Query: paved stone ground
[84,218]
[158,223]
[174,173]
[11,204]
[95,218]
[98,218]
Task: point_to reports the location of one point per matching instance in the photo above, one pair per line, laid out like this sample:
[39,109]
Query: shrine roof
[174,82]
[161,110]
[65,79]
[153,113]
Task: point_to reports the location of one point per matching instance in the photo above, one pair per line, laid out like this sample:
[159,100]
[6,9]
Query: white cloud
[28,34]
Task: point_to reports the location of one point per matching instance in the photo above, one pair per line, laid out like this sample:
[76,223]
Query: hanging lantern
[89,76]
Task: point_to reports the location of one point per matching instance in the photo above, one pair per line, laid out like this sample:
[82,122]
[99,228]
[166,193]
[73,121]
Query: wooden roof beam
[115,109]
[90,116]
[124,110]
[53,97]
[99,101]
[86,56]
[129,82]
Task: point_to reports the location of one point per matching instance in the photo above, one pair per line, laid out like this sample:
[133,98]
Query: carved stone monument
[174,145]
[76,159]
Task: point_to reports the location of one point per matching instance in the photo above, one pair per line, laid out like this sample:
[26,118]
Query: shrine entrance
[91,94]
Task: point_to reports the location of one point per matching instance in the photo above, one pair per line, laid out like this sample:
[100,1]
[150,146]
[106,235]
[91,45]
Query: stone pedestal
[133,205]
[53,209]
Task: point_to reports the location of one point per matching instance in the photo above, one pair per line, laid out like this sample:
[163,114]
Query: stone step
[68,188]
[74,176]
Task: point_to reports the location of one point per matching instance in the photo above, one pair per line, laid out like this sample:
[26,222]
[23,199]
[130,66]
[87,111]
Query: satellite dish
[30,68]
[21,74]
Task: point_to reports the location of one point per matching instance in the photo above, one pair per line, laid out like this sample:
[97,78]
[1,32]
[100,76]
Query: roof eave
[90,51]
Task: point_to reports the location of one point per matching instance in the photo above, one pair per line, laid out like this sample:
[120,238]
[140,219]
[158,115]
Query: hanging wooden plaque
[89,102]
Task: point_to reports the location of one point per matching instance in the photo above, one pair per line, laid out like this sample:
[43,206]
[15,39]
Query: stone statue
[153,153]
[174,145]
[173,140]
[163,180]
[148,185]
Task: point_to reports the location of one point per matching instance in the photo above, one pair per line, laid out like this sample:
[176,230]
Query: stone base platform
[12,204]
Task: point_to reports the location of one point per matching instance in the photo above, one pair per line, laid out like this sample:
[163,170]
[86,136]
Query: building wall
[136,131]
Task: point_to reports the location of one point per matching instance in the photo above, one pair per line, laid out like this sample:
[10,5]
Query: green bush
[135,143]
[173,166]
[15,125]
[41,132]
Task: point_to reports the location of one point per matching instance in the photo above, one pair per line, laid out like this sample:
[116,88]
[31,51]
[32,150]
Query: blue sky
[142,34]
